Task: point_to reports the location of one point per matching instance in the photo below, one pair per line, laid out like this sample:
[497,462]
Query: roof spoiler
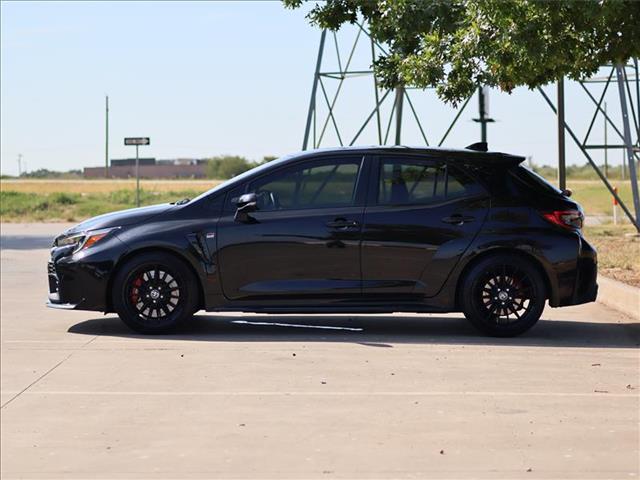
[478,147]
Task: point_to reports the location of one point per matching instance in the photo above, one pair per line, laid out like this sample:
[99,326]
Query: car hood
[120,218]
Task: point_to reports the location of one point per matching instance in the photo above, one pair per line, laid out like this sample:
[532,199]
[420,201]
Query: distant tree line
[219,167]
[229,166]
[46,173]
[582,172]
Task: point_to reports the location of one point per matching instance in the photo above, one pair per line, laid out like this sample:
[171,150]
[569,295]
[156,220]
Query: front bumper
[56,299]
[79,281]
[61,306]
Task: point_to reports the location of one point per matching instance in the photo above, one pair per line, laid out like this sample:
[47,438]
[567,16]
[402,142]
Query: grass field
[595,198]
[72,200]
[75,200]
[103,186]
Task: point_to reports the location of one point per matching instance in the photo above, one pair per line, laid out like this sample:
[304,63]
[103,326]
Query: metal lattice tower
[385,116]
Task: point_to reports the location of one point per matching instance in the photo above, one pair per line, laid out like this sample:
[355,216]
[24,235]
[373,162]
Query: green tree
[46,173]
[455,45]
[227,166]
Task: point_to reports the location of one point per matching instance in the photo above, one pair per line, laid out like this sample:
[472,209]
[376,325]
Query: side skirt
[406,308]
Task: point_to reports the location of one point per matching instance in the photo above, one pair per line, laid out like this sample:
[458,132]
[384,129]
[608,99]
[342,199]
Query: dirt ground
[618,252]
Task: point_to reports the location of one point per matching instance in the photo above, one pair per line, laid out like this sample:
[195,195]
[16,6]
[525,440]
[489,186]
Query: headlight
[75,239]
[84,239]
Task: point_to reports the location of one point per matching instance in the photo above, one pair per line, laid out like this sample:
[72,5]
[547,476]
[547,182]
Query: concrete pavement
[330,396]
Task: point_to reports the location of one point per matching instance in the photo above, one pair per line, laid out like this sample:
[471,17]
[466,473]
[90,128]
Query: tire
[503,295]
[155,293]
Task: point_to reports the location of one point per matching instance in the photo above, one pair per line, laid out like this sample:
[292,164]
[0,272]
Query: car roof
[463,154]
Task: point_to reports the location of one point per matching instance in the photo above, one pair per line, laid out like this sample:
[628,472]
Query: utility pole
[483,112]
[399,102]
[19,165]
[562,159]
[606,144]
[106,138]
[633,176]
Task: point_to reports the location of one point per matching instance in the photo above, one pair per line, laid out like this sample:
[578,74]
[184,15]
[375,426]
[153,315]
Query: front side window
[408,182]
[320,184]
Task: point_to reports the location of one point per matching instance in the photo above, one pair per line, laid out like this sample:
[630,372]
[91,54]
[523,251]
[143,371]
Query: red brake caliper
[135,291]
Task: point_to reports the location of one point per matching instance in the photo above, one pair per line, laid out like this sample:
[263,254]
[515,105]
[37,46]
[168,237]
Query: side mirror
[567,192]
[246,204]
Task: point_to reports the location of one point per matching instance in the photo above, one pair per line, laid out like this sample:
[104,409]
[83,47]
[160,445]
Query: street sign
[137,141]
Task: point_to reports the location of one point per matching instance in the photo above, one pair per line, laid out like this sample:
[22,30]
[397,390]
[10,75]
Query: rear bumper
[586,289]
[585,282]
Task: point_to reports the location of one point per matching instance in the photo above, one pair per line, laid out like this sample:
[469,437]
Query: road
[290,396]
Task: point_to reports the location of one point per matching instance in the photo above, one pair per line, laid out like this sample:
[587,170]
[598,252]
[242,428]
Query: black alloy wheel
[506,294]
[155,293]
[503,295]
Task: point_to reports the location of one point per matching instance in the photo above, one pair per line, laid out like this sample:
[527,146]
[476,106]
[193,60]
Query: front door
[421,216]
[303,241]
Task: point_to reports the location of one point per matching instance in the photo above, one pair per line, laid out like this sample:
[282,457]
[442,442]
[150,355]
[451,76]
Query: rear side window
[409,181]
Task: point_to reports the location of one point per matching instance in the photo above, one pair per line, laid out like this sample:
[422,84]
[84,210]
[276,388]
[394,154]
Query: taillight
[571,219]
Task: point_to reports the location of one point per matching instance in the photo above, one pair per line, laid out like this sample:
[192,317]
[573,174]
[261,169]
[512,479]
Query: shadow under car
[374,330]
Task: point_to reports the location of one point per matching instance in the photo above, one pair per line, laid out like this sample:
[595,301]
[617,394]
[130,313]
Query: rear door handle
[457,219]
[342,223]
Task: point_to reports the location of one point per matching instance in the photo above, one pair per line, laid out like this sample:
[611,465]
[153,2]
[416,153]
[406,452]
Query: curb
[619,296]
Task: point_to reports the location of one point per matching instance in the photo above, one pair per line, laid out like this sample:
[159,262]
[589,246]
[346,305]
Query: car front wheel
[503,295]
[155,293]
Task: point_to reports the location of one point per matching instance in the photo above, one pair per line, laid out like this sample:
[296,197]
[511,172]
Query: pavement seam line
[36,380]
[336,393]
[43,375]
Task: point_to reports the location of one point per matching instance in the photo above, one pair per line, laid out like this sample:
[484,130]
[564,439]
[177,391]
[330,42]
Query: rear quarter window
[533,181]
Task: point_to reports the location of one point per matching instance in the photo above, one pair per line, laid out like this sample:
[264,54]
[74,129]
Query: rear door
[421,215]
[304,240]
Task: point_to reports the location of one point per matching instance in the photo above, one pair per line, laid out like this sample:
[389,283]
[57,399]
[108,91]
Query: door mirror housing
[246,204]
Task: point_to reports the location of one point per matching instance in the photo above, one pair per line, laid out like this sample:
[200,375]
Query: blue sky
[209,78]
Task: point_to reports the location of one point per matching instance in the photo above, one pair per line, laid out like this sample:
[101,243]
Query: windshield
[532,179]
[239,178]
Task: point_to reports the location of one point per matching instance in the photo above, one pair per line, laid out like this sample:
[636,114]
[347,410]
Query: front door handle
[342,223]
[457,219]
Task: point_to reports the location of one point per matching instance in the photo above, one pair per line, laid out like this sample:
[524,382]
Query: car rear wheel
[155,293]
[503,295]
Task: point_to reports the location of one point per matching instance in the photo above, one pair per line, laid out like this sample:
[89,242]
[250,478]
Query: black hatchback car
[349,230]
